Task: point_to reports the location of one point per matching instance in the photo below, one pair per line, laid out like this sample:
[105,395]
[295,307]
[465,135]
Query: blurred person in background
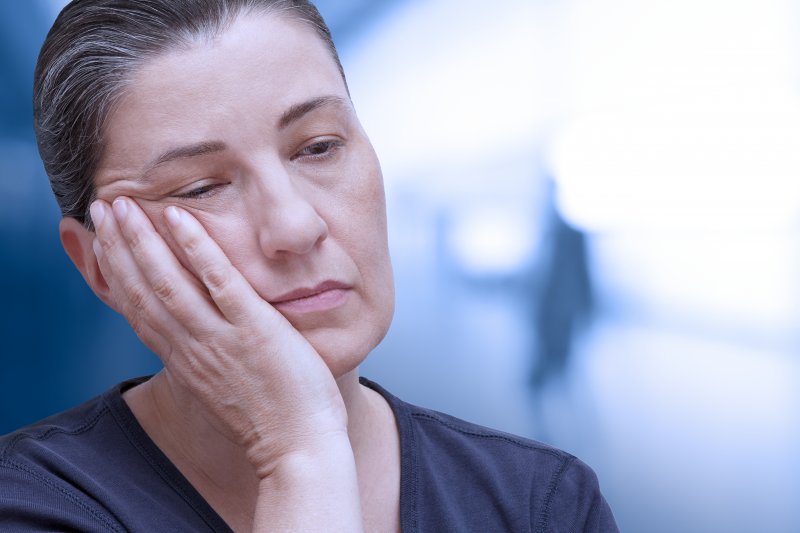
[218,191]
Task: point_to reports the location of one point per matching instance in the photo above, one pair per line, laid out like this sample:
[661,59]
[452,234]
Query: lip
[322,297]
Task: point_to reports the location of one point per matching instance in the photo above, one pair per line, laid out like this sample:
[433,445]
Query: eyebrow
[293,114]
[297,111]
[183,152]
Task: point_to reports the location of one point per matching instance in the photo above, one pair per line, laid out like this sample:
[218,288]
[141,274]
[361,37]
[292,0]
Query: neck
[218,468]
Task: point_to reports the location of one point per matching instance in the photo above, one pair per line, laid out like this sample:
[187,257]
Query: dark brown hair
[89,56]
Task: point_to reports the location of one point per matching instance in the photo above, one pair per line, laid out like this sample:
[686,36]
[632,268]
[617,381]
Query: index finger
[230,291]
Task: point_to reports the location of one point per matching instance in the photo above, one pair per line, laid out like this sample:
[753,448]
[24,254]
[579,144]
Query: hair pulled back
[90,55]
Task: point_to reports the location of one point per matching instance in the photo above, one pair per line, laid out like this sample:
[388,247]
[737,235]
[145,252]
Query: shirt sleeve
[576,503]
[29,502]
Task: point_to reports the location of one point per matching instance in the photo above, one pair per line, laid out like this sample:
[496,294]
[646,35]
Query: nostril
[297,231]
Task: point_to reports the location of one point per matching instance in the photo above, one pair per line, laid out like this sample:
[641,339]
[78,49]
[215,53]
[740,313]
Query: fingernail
[120,207]
[173,215]
[98,212]
[98,249]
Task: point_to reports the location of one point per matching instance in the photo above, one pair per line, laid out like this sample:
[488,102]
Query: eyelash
[199,192]
[330,145]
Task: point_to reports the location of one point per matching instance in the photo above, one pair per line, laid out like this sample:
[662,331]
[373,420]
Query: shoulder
[70,438]
[33,446]
[41,467]
[454,469]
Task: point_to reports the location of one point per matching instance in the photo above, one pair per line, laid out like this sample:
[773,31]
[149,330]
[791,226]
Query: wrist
[311,489]
[296,460]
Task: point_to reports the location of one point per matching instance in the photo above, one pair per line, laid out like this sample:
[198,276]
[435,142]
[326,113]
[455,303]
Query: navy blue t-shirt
[93,468]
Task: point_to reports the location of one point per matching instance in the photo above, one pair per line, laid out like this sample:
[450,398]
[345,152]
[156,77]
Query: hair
[90,55]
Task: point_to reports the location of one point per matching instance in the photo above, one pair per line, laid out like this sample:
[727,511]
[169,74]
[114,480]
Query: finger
[231,292]
[131,293]
[177,288]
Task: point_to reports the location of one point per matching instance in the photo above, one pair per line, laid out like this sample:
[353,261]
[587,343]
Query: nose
[289,222]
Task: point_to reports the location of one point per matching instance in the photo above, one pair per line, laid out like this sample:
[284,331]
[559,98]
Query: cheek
[360,228]
[367,239]
[235,237]
[365,203]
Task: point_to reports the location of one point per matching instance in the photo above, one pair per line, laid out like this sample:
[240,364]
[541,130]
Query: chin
[343,350]
[345,339]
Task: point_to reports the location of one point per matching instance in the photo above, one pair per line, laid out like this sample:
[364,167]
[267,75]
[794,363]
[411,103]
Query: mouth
[323,297]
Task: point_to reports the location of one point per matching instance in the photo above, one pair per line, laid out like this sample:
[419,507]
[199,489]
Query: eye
[202,191]
[319,149]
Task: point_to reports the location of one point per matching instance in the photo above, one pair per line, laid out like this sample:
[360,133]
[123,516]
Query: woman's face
[254,134]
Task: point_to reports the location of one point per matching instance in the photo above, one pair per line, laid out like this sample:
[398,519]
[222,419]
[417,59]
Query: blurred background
[595,225]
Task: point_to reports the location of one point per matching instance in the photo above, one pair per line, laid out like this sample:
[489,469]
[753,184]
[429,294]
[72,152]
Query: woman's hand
[261,382]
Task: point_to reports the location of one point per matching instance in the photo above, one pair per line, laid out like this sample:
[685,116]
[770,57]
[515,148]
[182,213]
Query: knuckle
[167,355]
[136,241]
[136,322]
[216,279]
[108,243]
[164,289]
[192,246]
[136,295]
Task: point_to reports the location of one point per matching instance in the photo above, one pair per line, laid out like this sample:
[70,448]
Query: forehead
[253,40]
[238,82]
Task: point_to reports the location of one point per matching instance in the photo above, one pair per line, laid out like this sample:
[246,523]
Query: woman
[236,219]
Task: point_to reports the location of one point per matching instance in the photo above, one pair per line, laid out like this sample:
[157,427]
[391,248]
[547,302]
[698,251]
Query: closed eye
[203,191]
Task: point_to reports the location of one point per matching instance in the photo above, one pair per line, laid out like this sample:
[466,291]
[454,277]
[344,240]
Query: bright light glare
[678,169]
[684,116]
[493,240]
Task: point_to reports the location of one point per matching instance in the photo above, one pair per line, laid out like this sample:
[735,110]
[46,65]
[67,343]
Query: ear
[77,242]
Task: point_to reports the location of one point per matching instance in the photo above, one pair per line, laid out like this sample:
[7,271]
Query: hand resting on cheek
[263,384]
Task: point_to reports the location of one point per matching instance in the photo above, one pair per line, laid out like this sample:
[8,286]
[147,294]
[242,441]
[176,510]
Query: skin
[236,172]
